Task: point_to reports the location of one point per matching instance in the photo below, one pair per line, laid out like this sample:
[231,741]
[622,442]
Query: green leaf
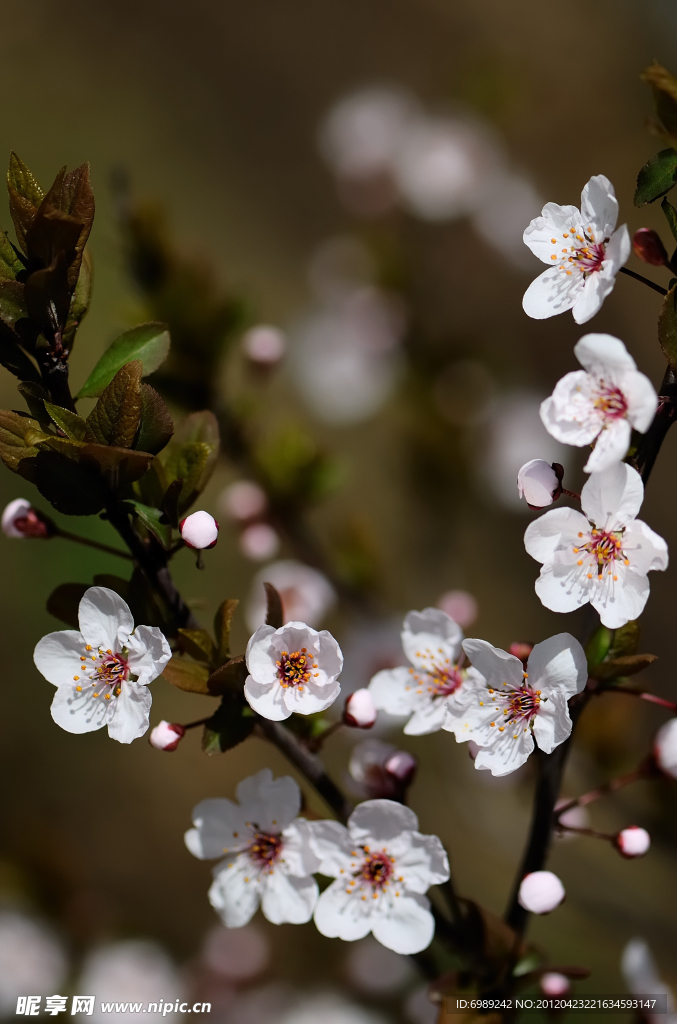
[10,264]
[231,676]
[82,297]
[148,342]
[114,420]
[19,436]
[14,359]
[625,640]
[64,601]
[664,87]
[170,500]
[667,327]
[230,725]
[598,646]
[156,427]
[657,177]
[222,624]
[197,643]
[118,466]
[25,196]
[627,665]
[35,397]
[274,609]
[191,676]
[12,302]
[72,195]
[71,487]
[671,216]
[151,518]
[72,425]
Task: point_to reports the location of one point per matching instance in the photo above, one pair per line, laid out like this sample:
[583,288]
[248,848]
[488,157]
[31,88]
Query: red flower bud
[20,519]
[647,246]
[360,710]
[166,736]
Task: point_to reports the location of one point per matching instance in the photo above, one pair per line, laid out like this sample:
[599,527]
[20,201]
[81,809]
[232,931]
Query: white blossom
[21,520]
[538,482]
[264,344]
[102,672]
[377,769]
[583,252]
[554,984]
[432,643]
[540,892]
[665,748]
[633,841]
[382,866]
[259,542]
[505,710]
[601,403]
[32,960]
[602,556]
[292,669]
[134,971]
[460,606]
[268,856]
[642,978]
[360,710]
[199,530]
[237,955]
[243,500]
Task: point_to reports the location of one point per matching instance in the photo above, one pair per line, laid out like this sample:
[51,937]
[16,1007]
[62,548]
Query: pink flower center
[105,672]
[601,551]
[588,258]
[377,869]
[293,669]
[611,402]
[441,679]
[581,251]
[517,706]
[265,848]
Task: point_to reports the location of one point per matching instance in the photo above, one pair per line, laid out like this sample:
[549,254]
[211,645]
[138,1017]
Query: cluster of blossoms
[381,864]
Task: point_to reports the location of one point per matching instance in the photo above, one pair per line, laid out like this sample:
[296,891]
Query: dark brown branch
[644,280]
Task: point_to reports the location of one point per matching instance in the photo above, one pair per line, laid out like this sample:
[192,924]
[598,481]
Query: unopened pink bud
[402,766]
[521,650]
[360,710]
[539,483]
[199,530]
[540,892]
[264,345]
[554,984]
[633,841]
[646,245]
[166,736]
[259,541]
[20,519]
[665,748]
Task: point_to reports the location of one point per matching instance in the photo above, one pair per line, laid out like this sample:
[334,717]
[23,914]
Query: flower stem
[670,705]
[580,831]
[642,772]
[194,725]
[644,280]
[91,543]
[571,494]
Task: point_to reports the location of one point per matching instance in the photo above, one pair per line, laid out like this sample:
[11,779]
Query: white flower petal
[129,716]
[495,665]
[551,293]
[558,665]
[590,299]
[285,898]
[618,250]
[57,656]
[423,864]
[599,206]
[394,691]
[509,752]
[555,530]
[78,712]
[266,699]
[562,589]
[235,891]
[642,400]
[380,821]
[614,497]
[427,719]
[331,842]
[552,724]
[310,700]
[409,927]
[646,551]
[569,415]
[601,353]
[620,602]
[338,915]
[552,223]
[258,657]
[299,856]
[149,652]
[611,447]
[272,804]
[216,822]
[105,619]
[430,632]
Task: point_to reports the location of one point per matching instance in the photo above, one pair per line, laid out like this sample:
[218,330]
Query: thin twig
[612,786]
[644,280]
[92,543]
[650,697]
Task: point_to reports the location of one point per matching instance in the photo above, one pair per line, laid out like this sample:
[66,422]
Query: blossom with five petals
[511,709]
[382,866]
[602,556]
[602,402]
[583,252]
[268,856]
[432,643]
[102,672]
[293,668]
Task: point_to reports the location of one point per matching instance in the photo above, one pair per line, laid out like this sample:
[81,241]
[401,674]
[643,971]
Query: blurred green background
[213,110]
